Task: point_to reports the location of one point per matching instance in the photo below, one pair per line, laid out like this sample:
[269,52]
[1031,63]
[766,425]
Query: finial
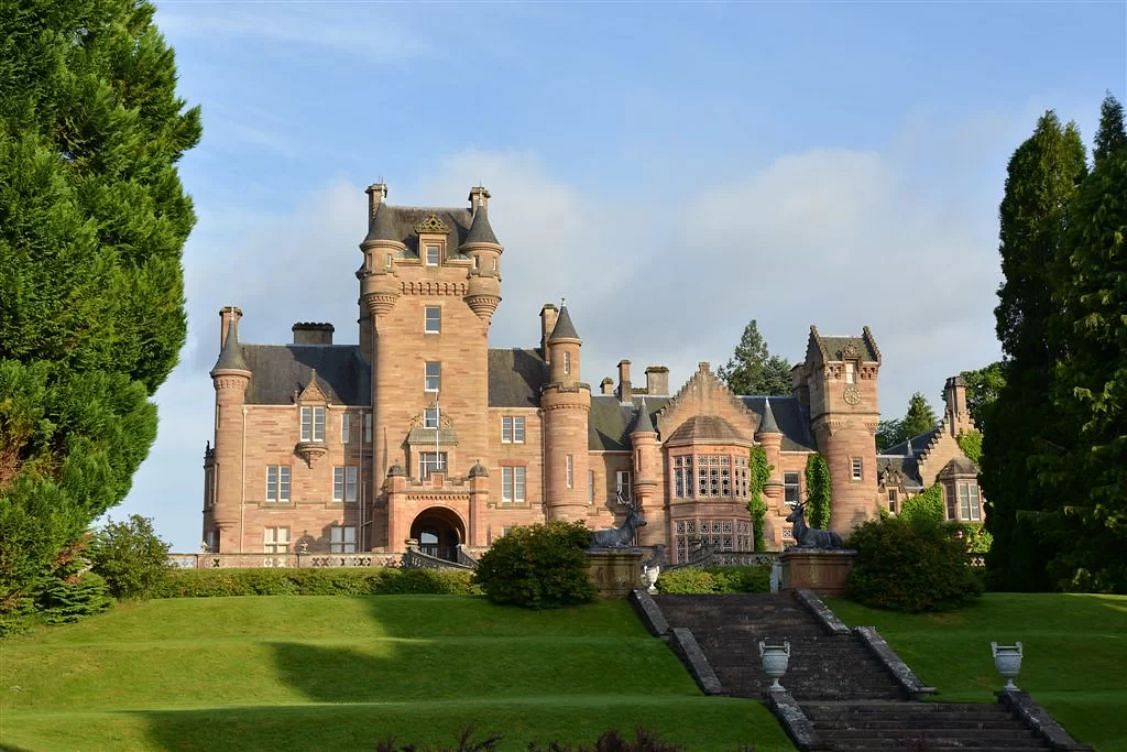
[563,302]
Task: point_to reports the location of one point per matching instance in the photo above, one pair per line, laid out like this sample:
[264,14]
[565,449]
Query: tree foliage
[752,369]
[130,556]
[92,222]
[756,506]
[971,444]
[817,492]
[926,506]
[919,418]
[983,386]
[539,566]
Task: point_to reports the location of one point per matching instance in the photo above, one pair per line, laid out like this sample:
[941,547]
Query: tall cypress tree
[1087,476]
[1041,181]
[92,222]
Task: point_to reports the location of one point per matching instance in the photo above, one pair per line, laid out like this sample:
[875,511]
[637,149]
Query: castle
[423,431]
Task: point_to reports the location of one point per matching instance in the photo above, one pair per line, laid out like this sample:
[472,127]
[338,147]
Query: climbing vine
[760,474]
[817,492]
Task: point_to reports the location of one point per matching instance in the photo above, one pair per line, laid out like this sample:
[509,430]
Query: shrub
[694,580]
[925,507]
[65,601]
[210,583]
[130,556]
[609,741]
[540,566]
[910,566]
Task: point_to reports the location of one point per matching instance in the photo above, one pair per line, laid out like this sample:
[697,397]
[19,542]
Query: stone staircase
[840,693]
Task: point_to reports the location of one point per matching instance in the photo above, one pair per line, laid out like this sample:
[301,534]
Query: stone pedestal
[819,570]
[615,571]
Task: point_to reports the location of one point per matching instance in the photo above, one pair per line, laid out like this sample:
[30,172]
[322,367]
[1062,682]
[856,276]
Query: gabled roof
[278,372]
[907,467]
[918,442]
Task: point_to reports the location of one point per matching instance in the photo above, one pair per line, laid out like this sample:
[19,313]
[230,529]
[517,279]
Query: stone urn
[1007,659]
[775,659]
[649,577]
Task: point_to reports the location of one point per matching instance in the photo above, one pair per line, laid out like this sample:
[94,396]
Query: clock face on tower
[852,395]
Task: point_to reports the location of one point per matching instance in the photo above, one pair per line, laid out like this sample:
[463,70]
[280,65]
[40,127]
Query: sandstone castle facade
[422,431]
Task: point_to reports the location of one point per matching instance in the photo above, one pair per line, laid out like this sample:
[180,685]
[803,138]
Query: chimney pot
[657,380]
[607,385]
[548,315]
[625,390]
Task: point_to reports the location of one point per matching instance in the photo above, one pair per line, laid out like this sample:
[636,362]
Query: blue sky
[674,170]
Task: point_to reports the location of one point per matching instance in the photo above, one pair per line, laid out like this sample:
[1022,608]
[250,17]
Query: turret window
[433,255]
[312,424]
[570,471]
[590,486]
[432,321]
[277,483]
[432,379]
[857,468]
[567,362]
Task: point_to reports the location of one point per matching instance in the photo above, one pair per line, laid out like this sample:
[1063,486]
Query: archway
[439,531]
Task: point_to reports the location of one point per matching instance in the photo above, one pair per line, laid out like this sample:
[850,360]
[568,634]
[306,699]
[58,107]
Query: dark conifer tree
[92,222]
[753,369]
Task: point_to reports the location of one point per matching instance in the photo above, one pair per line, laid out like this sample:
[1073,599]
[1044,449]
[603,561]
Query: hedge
[209,583]
[695,580]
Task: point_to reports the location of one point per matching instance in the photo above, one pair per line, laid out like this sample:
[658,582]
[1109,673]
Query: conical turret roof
[644,424]
[480,229]
[768,424]
[231,357]
[383,226]
[564,329]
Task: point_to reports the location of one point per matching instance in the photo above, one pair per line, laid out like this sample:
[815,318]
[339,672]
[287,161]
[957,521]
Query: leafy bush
[210,583]
[65,601]
[540,566]
[925,507]
[609,741]
[130,556]
[693,580]
[910,566]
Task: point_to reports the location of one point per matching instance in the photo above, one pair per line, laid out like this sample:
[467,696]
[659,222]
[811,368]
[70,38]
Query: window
[590,486]
[689,536]
[949,498]
[433,378]
[512,485]
[512,429]
[344,483]
[368,428]
[714,476]
[312,424]
[387,262]
[622,484]
[850,373]
[566,362]
[477,262]
[276,540]
[432,255]
[856,465]
[278,483]
[430,417]
[345,426]
[893,497]
[494,263]
[431,462]
[212,540]
[209,486]
[342,539]
[683,477]
[969,505]
[432,320]
[570,470]
[791,488]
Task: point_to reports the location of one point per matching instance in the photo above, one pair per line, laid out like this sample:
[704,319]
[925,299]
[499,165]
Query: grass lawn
[1075,654]
[341,673]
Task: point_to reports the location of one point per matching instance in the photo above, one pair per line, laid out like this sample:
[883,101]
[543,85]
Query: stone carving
[808,537]
[432,224]
[623,535]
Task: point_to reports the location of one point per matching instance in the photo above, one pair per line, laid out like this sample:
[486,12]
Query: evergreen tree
[752,369]
[889,433]
[1086,473]
[1041,181]
[920,418]
[817,492]
[92,222]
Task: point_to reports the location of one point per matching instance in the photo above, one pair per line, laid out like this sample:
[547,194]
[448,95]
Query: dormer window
[312,424]
[433,255]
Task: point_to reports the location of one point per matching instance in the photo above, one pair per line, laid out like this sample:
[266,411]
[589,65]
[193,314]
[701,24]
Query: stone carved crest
[432,224]
[850,352]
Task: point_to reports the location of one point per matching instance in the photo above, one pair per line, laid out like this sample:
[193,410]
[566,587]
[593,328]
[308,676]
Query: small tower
[230,377]
[770,437]
[566,403]
[647,476]
[484,290]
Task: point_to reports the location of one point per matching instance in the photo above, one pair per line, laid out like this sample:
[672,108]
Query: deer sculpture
[808,537]
[623,535]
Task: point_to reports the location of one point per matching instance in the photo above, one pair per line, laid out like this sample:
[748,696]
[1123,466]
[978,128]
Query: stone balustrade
[294,560]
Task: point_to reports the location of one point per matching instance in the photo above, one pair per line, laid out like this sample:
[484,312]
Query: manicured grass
[336,673]
[1075,654]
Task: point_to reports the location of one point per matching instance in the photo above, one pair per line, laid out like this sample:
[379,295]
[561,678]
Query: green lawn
[340,673]
[1075,654]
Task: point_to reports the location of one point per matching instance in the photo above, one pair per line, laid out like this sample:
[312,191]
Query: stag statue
[808,537]
[623,535]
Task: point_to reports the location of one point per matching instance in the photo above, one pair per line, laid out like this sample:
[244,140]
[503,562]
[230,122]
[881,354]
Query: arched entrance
[439,531]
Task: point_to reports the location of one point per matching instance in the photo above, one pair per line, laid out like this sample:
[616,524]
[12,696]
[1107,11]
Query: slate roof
[563,329]
[919,443]
[790,418]
[833,347]
[481,231]
[231,357]
[398,223]
[768,424]
[906,466]
[515,377]
[277,371]
[705,427]
[610,421]
[643,423]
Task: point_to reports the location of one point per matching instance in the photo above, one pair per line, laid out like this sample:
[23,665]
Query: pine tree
[1041,181]
[920,418]
[1086,475]
[817,492]
[92,222]
[752,369]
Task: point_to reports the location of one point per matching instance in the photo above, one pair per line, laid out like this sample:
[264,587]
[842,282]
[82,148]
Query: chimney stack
[228,317]
[377,194]
[607,385]
[313,333]
[955,396]
[625,391]
[548,315]
[657,380]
